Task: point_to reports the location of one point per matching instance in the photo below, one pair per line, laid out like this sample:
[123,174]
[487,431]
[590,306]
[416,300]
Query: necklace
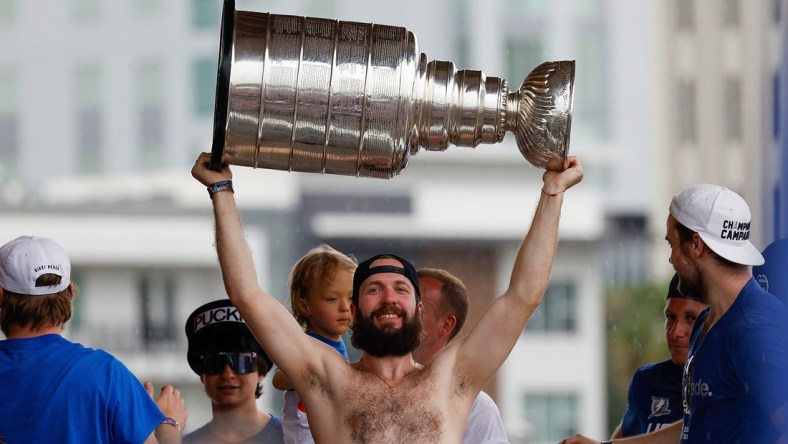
[708,323]
[392,387]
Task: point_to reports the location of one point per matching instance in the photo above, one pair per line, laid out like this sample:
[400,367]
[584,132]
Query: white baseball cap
[26,258]
[721,218]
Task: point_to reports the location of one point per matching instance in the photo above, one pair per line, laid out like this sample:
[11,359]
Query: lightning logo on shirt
[659,407]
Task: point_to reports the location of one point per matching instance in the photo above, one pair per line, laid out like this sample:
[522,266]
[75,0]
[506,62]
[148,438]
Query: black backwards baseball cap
[218,327]
[673,291]
[363,271]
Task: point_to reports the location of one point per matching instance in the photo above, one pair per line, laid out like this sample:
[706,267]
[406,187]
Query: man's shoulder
[661,366]
[656,371]
[57,347]
[647,369]
[756,318]
[758,306]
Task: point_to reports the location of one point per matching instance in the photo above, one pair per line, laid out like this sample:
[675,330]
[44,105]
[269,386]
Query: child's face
[229,389]
[328,309]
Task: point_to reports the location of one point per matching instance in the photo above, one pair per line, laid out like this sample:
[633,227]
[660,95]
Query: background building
[105,105]
[716,98]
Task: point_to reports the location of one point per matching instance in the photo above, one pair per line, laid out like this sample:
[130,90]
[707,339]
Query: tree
[635,336]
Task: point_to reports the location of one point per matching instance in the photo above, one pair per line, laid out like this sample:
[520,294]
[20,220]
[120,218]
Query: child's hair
[318,267]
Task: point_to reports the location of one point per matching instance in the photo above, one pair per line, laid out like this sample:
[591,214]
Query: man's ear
[697,246]
[449,323]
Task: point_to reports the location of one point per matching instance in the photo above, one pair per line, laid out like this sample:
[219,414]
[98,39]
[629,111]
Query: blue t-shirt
[338,345]
[271,434]
[737,375]
[57,391]
[654,398]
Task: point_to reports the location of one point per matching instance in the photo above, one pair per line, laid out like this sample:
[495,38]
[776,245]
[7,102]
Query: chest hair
[408,413]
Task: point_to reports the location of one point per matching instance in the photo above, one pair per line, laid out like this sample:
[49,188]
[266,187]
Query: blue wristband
[224,185]
[173,423]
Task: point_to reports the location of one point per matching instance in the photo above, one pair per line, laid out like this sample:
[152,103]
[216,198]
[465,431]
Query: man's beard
[387,341]
[692,282]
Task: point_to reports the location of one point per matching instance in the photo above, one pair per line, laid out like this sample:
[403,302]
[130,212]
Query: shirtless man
[386,397]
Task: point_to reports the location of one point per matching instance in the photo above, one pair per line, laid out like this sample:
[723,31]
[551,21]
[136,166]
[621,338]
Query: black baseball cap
[673,291]
[218,327]
[363,271]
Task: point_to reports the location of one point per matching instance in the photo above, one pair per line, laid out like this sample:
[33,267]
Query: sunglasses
[240,362]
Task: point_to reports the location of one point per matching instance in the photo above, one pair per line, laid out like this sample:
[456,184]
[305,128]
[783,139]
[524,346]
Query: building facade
[105,105]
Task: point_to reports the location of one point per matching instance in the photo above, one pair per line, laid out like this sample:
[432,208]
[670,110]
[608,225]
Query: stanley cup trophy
[326,96]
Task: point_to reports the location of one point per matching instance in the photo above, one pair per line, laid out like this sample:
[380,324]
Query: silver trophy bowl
[325,96]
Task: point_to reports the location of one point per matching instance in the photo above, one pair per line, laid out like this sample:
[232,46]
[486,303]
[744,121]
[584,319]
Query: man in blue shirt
[55,390]
[734,380]
[654,398]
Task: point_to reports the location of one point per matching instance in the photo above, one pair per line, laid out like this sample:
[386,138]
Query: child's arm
[280,381]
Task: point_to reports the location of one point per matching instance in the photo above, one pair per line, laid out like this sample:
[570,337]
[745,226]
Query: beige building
[717,78]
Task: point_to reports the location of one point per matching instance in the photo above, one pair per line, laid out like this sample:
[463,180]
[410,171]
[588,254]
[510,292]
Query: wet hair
[317,268]
[36,311]
[454,295]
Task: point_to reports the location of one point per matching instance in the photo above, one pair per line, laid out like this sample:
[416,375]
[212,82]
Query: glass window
[9,144]
[590,86]
[7,11]
[552,416]
[731,12]
[529,7]
[151,135]
[733,109]
[8,90]
[150,81]
[685,15]
[776,105]
[204,85]
[145,7]
[89,124]
[157,299]
[85,11]
[523,54]
[558,310]
[9,125]
[89,119]
[206,14]
[88,85]
[586,7]
[686,111]
[150,112]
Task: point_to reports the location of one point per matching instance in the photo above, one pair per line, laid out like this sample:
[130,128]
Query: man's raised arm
[277,331]
[489,343]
